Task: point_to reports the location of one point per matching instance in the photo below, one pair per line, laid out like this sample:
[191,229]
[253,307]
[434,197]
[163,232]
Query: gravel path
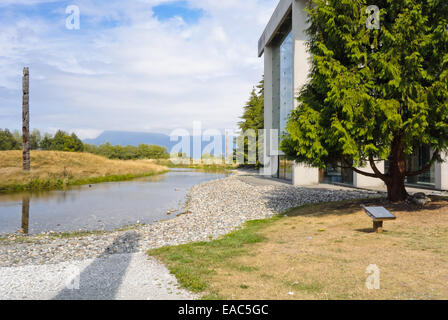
[119,276]
[214,208]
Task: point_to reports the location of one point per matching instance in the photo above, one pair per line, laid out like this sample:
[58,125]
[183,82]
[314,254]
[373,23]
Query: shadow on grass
[370,230]
[331,208]
[353,206]
[305,200]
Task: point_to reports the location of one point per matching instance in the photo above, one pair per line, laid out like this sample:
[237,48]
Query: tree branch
[367,174]
[378,173]
[426,168]
[376,160]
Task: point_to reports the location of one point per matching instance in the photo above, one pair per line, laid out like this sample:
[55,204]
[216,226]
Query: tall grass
[205,166]
[57,170]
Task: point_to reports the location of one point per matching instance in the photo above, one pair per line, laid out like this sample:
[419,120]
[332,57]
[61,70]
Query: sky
[136,65]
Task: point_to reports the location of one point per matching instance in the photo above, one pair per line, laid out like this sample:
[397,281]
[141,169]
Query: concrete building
[286,69]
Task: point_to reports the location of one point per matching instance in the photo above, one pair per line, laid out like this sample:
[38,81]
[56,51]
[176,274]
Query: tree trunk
[26,119]
[396,190]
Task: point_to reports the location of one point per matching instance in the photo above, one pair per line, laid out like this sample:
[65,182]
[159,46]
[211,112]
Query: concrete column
[275,114]
[302,174]
[361,181]
[268,85]
[301,56]
[268,110]
[441,174]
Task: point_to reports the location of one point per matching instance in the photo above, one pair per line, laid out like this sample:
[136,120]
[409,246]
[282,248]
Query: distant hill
[125,138]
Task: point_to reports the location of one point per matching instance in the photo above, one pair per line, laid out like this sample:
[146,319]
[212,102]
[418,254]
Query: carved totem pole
[26,119]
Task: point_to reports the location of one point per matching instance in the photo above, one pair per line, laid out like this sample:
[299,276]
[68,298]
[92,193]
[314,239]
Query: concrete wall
[303,175]
[276,87]
[272,108]
[361,181]
[274,23]
[301,56]
[268,91]
[441,174]
[268,112]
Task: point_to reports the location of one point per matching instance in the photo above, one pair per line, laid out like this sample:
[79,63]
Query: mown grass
[321,252]
[57,170]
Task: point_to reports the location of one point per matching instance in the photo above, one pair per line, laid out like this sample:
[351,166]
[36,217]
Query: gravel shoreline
[214,209]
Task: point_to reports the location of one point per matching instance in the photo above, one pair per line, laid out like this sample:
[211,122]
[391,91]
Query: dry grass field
[322,252]
[50,170]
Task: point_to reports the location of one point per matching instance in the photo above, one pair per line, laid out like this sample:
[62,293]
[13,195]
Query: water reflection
[25,215]
[72,194]
[102,206]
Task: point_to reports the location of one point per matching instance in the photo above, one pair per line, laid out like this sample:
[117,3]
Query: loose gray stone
[213,209]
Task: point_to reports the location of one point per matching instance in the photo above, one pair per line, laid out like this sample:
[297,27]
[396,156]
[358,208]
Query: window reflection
[421,157]
[285,168]
[417,161]
[333,173]
[286,80]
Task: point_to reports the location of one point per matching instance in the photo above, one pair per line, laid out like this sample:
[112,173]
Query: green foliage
[18,137]
[8,141]
[45,143]
[13,141]
[143,151]
[35,139]
[253,118]
[62,141]
[372,90]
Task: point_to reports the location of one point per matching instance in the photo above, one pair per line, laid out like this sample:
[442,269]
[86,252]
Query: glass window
[420,158]
[333,173]
[286,80]
[283,92]
[416,162]
[285,168]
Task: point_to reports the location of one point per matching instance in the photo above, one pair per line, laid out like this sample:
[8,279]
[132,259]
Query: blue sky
[141,65]
[180,9]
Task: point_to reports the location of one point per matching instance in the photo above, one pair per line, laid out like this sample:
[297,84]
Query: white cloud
[141,74]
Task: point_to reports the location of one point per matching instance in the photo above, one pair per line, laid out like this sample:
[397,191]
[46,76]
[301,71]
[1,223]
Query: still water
[103,206]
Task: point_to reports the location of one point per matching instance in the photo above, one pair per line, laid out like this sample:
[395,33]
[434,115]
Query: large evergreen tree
[373,94]
[253,118]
